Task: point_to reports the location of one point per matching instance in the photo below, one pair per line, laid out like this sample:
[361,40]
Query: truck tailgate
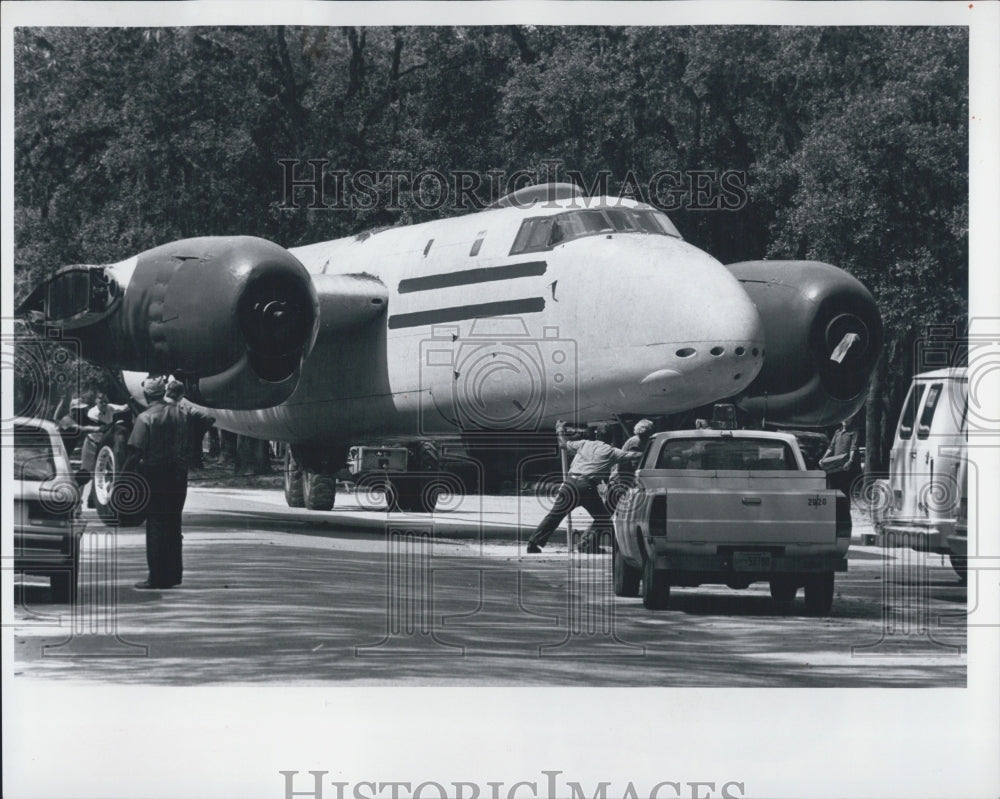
[740,508]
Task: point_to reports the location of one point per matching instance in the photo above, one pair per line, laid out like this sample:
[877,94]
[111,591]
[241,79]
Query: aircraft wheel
[819,593]
[626,578]
[784,588]
[655,587]
[120,499]
[294,496]
[318,490]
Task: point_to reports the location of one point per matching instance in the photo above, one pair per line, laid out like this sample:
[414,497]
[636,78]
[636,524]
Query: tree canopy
[853,141]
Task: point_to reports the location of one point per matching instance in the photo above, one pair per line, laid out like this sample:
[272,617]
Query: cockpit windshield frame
[540,233]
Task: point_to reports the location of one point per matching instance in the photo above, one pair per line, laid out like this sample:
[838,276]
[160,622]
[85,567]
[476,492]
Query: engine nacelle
[823,336]
[233,317]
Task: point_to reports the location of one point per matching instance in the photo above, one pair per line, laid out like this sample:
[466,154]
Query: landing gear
[319,491]
[294,496]
[310,476]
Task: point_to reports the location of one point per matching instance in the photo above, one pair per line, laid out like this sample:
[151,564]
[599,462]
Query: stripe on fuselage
[459,312]
[469,277]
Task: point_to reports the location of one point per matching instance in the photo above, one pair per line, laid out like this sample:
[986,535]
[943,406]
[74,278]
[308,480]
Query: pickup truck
[732,507]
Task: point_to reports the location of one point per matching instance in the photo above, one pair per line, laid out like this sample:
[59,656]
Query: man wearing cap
[158,450]
[99,416]
[198,422]
[623,474]
[591,464]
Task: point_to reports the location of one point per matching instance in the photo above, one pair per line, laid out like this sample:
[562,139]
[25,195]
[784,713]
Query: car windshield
[741,454]
[545,232]
[33,458]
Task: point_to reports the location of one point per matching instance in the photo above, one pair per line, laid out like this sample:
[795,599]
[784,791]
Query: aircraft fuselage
[489,323]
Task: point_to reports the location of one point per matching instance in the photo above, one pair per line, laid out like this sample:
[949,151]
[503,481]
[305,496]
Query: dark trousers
[843,481]
[618,486]
[573,493]
[167,493]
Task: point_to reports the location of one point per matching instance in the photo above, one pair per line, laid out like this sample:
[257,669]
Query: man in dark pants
[591,464]
[158,450]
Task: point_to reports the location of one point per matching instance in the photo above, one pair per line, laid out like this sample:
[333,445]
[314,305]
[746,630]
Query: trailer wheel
[419,492]
[625,578]
[319,491]
[961,566]
[784,588]
[407,496]
[294,497]
[655,587]
[819,593]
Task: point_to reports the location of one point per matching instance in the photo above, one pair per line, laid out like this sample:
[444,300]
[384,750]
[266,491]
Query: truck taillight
[658,515]
[844,524]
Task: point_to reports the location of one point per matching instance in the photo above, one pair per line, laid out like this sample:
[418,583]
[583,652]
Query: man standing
[623,474]
[100,416]
[158,450]
[591,464]
[840,460]
[198,422]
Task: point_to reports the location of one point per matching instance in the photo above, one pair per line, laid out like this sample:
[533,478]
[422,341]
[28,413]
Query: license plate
[752,561]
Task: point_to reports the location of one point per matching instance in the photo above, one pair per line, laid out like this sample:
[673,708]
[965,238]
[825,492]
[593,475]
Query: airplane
[484,328]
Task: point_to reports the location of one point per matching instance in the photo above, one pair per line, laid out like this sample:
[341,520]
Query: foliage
[854,141]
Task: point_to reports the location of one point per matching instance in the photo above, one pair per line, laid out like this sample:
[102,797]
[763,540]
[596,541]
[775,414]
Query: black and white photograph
[487,400]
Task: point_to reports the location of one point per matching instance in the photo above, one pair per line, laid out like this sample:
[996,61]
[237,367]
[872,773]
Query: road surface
[280,596]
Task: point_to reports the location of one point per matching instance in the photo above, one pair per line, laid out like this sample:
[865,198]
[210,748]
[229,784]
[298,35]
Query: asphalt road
[278,596]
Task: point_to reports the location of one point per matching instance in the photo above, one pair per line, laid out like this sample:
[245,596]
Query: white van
[923,504]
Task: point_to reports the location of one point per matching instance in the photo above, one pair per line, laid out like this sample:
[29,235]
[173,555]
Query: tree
[853,141]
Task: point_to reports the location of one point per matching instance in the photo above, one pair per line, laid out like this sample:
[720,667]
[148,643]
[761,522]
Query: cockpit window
[69,294]
[545,232]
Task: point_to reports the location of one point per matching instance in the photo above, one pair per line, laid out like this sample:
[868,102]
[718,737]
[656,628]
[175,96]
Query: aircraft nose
[698,332]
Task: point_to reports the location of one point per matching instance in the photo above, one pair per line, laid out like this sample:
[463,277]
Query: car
[47,531]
